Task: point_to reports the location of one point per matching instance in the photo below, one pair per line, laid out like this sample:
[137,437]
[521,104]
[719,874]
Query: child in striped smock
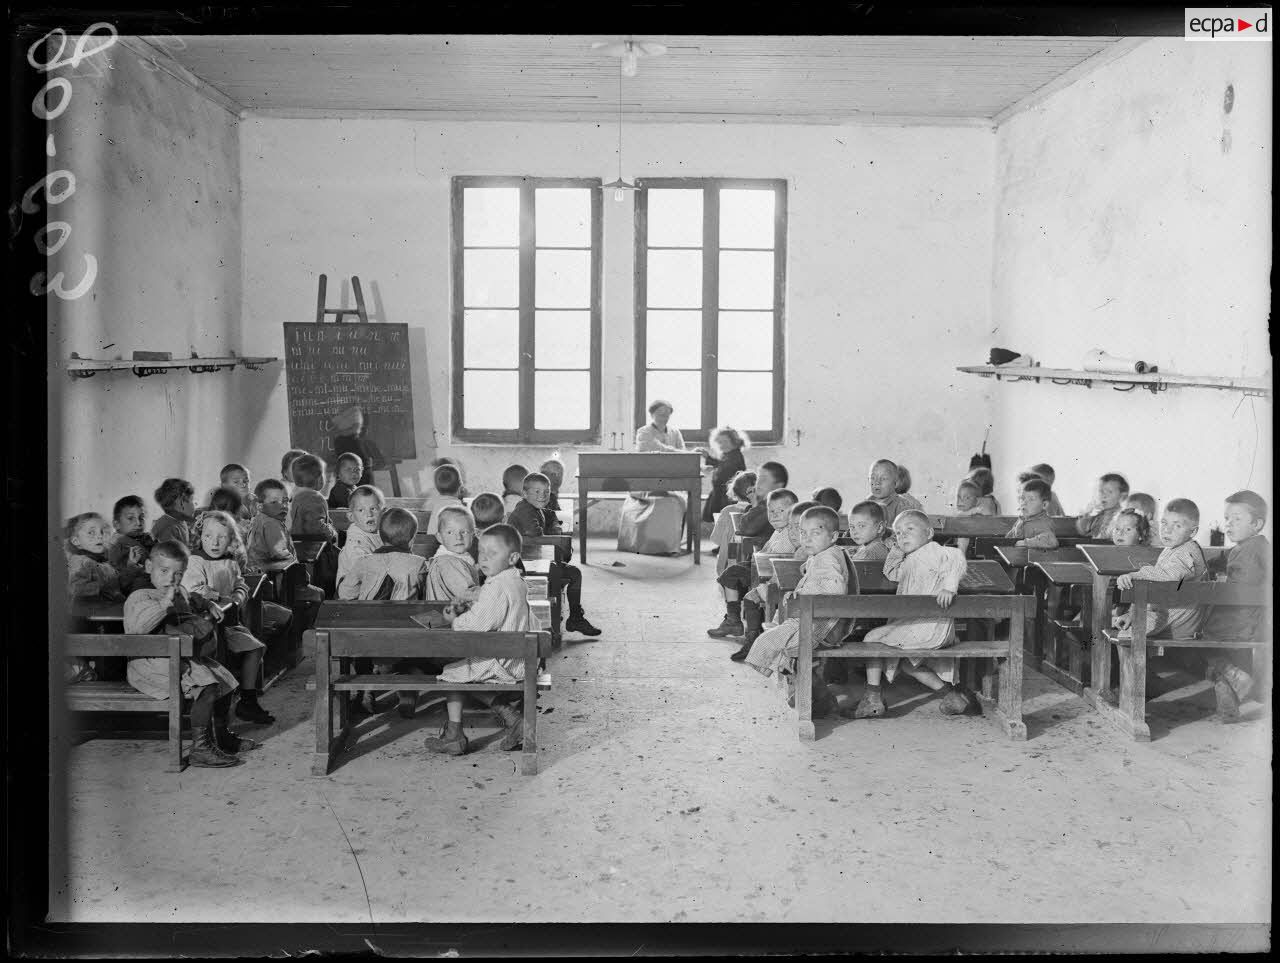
[1181,560]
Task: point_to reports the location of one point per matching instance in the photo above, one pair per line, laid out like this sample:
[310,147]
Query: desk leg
[582,519]
[1099,692]
[695,522]
[804,677]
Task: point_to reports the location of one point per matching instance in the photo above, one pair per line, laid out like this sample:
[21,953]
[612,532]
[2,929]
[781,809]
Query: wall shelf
[1156,382]
[78,367]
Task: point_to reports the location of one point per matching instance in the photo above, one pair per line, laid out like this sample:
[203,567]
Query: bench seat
[408,682]
[972,649]
[111,697]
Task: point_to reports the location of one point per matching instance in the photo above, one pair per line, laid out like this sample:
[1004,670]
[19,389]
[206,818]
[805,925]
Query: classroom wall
[157,203]
[1134,215]
[889,253]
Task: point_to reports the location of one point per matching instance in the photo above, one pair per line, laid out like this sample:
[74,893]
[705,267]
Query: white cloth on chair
[651,524]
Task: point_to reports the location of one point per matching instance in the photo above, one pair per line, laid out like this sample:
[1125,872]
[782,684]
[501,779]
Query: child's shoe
[741,654]
[956,702]
[206,755]
[451,741]
[578,623]
[1228,703]
[1239,680]
[231,742]
[247,708]
[513,721]
[728,629]
[824,701]
[408,705]
[870,706]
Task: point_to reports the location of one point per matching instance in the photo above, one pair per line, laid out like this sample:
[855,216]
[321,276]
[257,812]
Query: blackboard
[331,366]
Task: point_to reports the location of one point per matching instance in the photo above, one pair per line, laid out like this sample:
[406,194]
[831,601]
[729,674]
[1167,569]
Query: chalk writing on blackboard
[330,367]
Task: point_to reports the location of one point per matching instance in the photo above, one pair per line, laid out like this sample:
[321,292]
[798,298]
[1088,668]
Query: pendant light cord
[619,120]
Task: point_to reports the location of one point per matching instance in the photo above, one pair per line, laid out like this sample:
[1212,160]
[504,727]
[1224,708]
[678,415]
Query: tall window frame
[711,249]
[525,433]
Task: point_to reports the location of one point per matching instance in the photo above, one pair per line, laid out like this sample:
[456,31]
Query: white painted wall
[888,279]
[1135,215]
[158,204]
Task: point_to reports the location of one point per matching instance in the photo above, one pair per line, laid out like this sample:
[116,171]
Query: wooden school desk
[643,471]
[1107,562]
[1054,640]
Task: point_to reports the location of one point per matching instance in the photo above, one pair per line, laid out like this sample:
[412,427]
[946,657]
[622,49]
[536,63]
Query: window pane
[491,279]
[675,218]
[491,399]
[563,279]
[746,279]
[491,339]
[561,399]
[562,217]
[674,279]
[673,339]
[746,340]
[562,339]
[490,215]
[746,218]
[745,401]
[683,389]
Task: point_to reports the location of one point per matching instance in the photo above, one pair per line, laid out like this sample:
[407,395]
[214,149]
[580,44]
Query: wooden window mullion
[710,303]
[528,265]
[641,274]
[779,310]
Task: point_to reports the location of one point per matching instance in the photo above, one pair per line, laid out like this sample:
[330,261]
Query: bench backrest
[967,525]
[335,613]
[911,606]
[172,646]
[414,642]
[1186,594]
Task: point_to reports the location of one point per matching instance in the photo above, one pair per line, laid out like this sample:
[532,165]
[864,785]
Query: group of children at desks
[889,526]
[187,576]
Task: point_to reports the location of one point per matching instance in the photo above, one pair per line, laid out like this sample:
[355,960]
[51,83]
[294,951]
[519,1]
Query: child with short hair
[309,514]
[1033,529]
[742,488]
[829,497]
[448,483]
[394,561]
[1248,563]
[90,576]
[867,530]
[782,505]
[453,574]
[365,506]
[920,566]
[167,607]
[1046,472]
[501,605]
[237,476]
[1146,505]
[532,519]
[213,572]
[1181,560]
[286,466]
[755,522]
[128,549]
[725,453]
[553,468]
[882,483]
[487,509]
[986,482]
[827,571]
[513,487]
[1099,515]
[176,497]
[903,488]
[350,467]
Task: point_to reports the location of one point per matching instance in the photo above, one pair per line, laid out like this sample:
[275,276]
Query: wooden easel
[363,316]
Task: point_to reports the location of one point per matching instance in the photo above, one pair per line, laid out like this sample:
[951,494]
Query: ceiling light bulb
[629,63]
[617,193]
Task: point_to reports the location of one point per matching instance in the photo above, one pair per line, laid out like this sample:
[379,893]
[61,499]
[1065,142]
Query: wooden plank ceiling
[788,79]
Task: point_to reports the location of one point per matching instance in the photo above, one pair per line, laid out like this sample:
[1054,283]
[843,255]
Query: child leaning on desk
[501,605]
[784,516]
[1181,560]
[1034,529]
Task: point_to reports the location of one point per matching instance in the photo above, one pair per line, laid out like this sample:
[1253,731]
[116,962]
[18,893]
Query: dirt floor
[673,787]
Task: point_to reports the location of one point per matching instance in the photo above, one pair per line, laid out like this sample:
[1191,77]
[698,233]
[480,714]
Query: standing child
[502,605]
[1096,519]
[167,607]
[920,566]
[213,572]
[903,489]
[727,446]
[532,519]
[882,485]
[176,497]
[1033,529]
[785,540]
[350,468]
[366,504]
[827,571]
[513,487]
[1181,560]
[757,521]
[1146,505]
[129,547]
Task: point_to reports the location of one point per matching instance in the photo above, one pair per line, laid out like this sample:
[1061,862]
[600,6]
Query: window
[710,275]
[526,310]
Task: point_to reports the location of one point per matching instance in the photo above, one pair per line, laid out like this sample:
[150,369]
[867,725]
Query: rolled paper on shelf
[1099,360]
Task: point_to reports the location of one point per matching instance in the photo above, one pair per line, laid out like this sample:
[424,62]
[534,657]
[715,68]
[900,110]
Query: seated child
[743,490]
[986,483]
[829,497]
[227,499]
[1047,473]
[1130,528]
[903,488]
[1248,563]
[882,483]
[755,522]
[168,607]
[286,464]
[128,549]
[1096,520]
[90,576]
[1033,529]
[366,504]
[501,605]
[737,579]
[394,561]
[868,531]
[237,477]
[969,499]
[513,487]
[350,468]
[453,575]
[309,515]
[487,510]
[213,572]
[553,468]
[827,571]
[920,566]
[269,547]
[1181,560]
[176,497]
[1146,505]
[437,462]
[448,484]
[532,519]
